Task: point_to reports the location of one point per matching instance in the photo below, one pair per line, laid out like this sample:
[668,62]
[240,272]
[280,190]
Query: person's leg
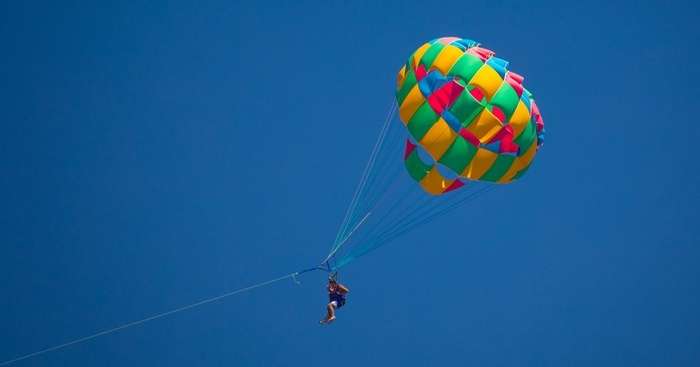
[330,313]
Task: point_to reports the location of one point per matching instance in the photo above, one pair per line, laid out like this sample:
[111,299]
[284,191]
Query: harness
[337,297]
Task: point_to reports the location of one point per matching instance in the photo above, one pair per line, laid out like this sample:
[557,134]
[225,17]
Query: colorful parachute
[469,113]
[466,119]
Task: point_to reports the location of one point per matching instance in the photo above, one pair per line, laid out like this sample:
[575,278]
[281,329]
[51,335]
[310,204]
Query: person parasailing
[337,296]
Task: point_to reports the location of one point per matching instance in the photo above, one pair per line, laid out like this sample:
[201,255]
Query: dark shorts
[338,299]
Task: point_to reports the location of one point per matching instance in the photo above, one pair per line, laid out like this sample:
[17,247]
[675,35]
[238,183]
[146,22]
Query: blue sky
[157,154]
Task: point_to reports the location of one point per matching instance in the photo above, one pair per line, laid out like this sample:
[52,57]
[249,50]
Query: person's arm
[343,288]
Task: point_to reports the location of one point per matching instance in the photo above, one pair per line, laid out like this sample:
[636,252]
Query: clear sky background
[154,154]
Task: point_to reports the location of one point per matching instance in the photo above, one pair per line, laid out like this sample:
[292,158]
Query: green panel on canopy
[458,155]
[422,121]
[522,172]
[431,54]
[408,84]
[415,166]
[466,67]
[526,138]
[498,168]
[466,108]
[507,99]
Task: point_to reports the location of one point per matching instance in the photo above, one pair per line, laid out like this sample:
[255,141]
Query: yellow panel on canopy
[519,163]
[520,118]
[419,54]
[447,57]
[481,163]
[411,103]
[485,126]
[487,80]
[438,139]
[434,182]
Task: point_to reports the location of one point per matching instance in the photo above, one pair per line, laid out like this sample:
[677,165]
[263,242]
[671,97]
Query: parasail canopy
[465,122]
[469,113]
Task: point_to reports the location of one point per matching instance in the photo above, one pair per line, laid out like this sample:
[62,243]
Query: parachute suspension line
[374,197]
[386,175]
[418,200]
[363,180]
[395,215]
[371,172]
[390,187]
[392,233]
[374,227]
[158,316]
[390,148]
[457,204]
[428,206]
[441,201]
[339,246]
[424,210]
[398,203]
[416,222]
[384,185]
[419,204]
[333,251]
[402,228]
